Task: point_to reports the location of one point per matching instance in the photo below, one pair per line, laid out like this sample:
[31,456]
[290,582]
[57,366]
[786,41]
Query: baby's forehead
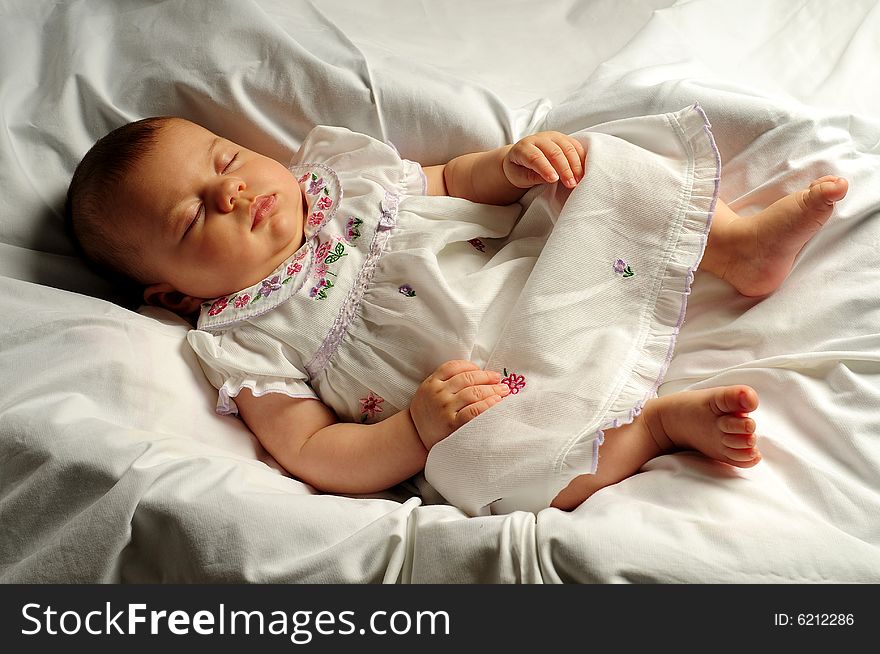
[181,132]
[179,145]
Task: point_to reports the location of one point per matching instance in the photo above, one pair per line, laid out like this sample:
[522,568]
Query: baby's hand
[545,157]
[455,393]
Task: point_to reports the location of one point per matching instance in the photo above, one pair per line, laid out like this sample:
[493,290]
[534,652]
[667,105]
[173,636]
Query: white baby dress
[575,297]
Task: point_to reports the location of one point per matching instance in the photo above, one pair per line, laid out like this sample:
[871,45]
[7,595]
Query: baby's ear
[164,295]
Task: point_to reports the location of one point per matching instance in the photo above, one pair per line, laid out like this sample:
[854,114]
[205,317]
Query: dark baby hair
[89,211]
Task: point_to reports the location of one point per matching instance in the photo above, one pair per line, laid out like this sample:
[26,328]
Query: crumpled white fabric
[110,470]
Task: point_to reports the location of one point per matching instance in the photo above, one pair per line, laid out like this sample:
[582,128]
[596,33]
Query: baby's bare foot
[767,243]
[713,421]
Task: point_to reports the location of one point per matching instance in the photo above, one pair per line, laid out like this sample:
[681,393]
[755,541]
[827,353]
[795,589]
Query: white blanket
[113,466]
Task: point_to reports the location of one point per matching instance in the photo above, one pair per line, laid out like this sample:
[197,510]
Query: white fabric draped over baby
[592,333]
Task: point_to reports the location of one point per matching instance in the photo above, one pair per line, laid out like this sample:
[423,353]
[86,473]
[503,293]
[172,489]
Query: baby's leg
[713,421]
[755,253]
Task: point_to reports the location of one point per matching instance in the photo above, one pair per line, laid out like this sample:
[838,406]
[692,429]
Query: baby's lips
[261,207]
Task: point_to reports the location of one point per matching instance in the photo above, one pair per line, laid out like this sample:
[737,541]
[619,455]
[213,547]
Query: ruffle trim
[232,387]
[414,182]
[668,316]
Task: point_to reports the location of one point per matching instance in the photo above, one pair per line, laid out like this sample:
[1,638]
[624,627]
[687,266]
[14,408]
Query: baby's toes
[825,191]
[738,425]
[740,449]
[736,399]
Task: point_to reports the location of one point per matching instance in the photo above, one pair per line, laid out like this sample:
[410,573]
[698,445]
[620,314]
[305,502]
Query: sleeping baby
[354,308]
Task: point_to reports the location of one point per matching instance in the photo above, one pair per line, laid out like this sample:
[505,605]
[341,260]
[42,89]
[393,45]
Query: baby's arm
[502,175]
[306,438]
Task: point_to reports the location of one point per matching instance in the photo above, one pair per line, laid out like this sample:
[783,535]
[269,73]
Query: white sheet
[112,466]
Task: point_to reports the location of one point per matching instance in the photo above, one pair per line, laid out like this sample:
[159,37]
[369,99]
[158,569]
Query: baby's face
[210,217]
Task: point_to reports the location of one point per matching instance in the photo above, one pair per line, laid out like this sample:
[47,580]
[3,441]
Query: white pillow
[115,467]
[95,361]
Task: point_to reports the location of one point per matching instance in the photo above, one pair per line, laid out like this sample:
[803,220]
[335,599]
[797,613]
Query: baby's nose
[227,193]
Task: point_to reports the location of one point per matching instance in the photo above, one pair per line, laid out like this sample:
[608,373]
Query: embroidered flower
[316,185]
[322,251]
[318,291]
[478,244]
[218,306]
[242,300]
[324,203]
[270,286]
[303,178]
[316,218]
[621,268]
[370,406]
[321,270]
[352,231]
[515,382]
[293,268]
[325,255]
[407,290]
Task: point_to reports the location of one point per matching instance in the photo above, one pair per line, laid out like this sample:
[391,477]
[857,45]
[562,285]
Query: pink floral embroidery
[218,306]
[370,406]
[322,250]
[242,300]
[352,231]
[515,382]
[407,290]
[316,218]
[478,244]
[321,270]
[303,178]
[325,203]
[326,255]
[293,268]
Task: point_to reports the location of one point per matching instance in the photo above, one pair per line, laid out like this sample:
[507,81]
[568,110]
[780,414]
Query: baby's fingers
[530,156]
[473,378]
[449,369]
[471,411]
[473,394]
[566,155]
[575,155]
[473,400]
